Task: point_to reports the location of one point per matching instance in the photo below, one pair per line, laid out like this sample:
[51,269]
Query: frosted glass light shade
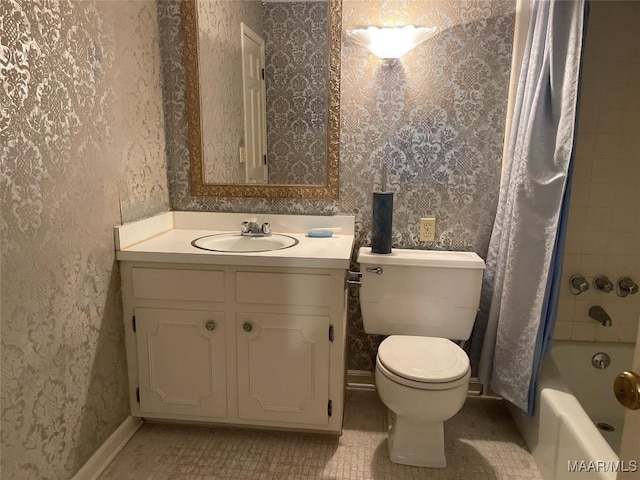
[391,42]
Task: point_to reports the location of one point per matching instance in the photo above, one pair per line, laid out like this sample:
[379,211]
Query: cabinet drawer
[282,288]
[187,285]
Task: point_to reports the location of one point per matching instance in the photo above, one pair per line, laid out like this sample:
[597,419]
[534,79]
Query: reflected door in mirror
[254,100]
[229,102]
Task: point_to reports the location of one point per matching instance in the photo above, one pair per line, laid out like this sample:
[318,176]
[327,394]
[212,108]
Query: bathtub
[572,397]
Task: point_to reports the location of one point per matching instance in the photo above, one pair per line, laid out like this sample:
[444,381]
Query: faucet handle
[266,228]
[626,286]
[578,284]
[601,282]
[244,227]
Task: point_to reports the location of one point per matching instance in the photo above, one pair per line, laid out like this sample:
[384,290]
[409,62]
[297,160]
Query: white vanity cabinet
[283,367]
[247,345]
[181,362]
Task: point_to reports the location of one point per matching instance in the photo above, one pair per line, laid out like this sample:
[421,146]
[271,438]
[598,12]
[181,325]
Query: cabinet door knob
[210,325]
[247,327]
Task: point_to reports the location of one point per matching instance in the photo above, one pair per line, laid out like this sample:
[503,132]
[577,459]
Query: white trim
[366,380]
[631,425]
[255,122]
[279,223]
[102,457]
[135,232]
[361,379]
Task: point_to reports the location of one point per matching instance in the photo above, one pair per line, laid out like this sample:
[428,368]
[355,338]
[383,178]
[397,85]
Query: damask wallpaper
[220,63]
[82,138]
[436,119]
[295,35]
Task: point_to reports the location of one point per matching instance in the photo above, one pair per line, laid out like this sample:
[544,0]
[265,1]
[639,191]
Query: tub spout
[598,314]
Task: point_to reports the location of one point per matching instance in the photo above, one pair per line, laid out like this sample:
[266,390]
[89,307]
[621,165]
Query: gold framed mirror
[235,155]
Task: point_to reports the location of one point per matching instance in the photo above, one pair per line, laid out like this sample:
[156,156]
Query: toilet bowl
[422,381]
[421,298]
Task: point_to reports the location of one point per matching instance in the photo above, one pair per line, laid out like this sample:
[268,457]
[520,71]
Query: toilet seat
[425,363]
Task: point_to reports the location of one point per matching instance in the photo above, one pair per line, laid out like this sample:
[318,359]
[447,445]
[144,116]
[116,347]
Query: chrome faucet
[601,360]
[598,314]
[626,286]
[601,282]
[578,284]
[254,229]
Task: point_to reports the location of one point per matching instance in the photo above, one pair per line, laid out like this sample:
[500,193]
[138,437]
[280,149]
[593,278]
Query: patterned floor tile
[481,443]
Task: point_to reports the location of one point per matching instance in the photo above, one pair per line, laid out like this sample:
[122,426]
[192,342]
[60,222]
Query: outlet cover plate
[428,229]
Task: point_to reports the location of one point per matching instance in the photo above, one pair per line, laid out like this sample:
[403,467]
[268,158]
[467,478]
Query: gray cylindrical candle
[382,222]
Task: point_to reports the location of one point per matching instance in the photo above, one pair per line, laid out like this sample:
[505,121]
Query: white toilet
[423,299]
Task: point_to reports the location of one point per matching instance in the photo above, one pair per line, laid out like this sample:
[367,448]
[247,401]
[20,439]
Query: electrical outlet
[428,229]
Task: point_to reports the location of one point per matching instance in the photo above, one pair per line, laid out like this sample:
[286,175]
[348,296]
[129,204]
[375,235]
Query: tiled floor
[481,443]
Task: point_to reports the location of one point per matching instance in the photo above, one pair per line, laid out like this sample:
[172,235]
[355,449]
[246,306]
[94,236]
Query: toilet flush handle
[376,270]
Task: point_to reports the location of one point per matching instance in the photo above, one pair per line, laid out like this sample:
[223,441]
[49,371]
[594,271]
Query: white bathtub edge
[560,431]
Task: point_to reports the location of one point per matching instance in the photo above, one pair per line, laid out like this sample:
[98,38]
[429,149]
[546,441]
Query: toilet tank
[420,292]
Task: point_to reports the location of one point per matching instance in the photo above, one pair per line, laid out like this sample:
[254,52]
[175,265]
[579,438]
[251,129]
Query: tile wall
[604,220]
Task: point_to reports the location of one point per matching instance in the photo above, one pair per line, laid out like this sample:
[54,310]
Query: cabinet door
[181,362]
[283,368]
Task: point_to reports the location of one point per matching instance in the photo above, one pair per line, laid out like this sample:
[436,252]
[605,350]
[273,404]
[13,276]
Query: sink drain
[605,427]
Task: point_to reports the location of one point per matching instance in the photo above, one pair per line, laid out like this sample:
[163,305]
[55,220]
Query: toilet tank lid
[422,258]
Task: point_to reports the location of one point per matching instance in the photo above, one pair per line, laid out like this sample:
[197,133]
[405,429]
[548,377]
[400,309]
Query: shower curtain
[524,261]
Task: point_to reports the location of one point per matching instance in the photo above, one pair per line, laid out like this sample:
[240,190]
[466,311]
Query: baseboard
[361,379]
[102,457]
[475,388]
[366,380]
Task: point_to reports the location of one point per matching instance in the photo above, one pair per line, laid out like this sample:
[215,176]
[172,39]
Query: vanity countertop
[167,238]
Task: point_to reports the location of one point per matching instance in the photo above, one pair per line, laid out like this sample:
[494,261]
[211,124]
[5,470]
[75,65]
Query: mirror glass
[262,96]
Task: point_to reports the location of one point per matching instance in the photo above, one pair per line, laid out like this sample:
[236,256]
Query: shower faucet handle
[578,284]
[601,282]
[626,286]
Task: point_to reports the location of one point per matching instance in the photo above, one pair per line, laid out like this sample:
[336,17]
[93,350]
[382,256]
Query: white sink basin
[234,242]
